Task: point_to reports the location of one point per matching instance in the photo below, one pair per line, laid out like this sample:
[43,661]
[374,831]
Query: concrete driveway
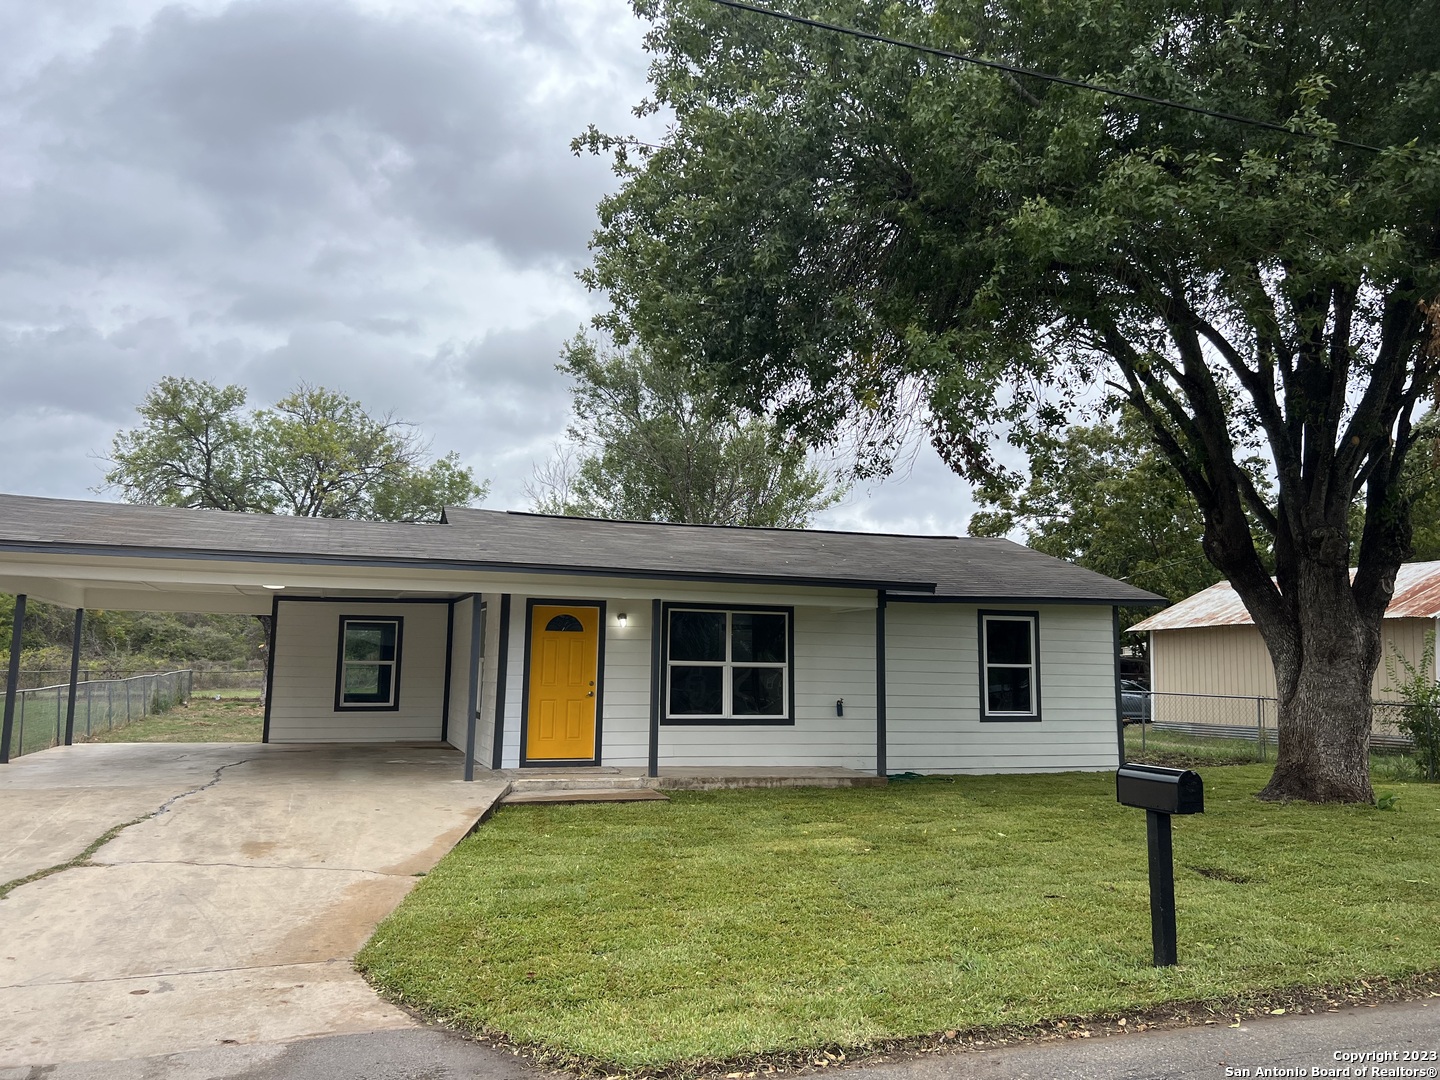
[229,906]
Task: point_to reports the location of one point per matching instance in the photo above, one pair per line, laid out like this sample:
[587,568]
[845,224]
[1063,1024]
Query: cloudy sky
[379,198]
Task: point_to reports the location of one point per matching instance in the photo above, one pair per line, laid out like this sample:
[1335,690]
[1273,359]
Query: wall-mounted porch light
[621,619]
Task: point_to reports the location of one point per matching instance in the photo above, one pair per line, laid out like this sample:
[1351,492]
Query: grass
[227,716]
[726,927]
[1188,751]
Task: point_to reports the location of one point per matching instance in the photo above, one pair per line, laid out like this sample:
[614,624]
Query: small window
[568,624]
[369,675]
[1008,650]
[728,666]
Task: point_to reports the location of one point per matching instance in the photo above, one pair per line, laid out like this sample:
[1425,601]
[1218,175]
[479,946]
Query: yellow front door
[564,661]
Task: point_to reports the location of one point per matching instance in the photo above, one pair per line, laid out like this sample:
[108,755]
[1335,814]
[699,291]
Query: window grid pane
[1009,651]
[748,675]
[368,660]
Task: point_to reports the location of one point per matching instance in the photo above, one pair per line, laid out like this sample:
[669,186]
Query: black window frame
[788,720]
[983,666]
[341,705]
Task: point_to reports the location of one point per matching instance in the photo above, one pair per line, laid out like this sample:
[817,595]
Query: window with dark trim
[727,665]
[1009,666]
[368,672]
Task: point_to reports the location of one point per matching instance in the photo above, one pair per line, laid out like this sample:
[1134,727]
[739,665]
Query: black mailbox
[1160,792]
[1154,787]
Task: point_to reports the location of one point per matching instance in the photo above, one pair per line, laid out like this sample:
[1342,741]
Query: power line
[1013,69]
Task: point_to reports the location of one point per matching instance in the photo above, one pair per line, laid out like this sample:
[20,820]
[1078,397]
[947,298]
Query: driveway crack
[83,859]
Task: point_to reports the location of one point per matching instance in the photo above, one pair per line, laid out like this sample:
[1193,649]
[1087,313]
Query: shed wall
[1234,660]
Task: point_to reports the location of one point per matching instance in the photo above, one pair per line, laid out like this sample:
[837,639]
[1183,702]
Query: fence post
[59,715]
[1260,727]
[89,704]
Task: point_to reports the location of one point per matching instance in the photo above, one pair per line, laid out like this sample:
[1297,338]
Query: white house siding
[834,658]
[625,728]
[459,676]
[307,641]
[933,693]
[625,695]
[485,733]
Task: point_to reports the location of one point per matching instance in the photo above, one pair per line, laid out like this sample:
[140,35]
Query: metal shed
[1209,665]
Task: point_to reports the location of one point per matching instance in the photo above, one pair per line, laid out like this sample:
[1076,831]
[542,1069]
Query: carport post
[74,676]
[477,634]
[12,683]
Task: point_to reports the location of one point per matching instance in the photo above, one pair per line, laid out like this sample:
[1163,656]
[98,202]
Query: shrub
[1420,717]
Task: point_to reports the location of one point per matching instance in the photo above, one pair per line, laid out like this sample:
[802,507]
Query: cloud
[372,195]
[376,198]
[311,118]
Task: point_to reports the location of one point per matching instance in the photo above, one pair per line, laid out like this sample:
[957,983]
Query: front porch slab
[682,778]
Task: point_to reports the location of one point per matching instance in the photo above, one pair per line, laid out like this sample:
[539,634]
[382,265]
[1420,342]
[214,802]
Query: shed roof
[1417,596]
[948,567]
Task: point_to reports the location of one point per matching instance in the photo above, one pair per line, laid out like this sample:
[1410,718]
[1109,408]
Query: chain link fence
[1235,717]
[100,705]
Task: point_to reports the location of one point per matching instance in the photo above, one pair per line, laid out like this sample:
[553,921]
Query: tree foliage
[1423,474]
[650,442]
[126,642]
[1102,496]
[315,453]
[852,233]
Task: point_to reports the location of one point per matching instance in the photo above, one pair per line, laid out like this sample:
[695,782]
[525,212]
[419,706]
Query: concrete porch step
[580,795]
[560,782]
[703,780]
[682,778]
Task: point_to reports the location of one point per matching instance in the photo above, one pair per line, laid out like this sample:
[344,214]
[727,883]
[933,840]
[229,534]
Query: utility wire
[950,54]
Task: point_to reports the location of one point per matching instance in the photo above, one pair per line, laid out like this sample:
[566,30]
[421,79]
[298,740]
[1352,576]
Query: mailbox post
[1160,792]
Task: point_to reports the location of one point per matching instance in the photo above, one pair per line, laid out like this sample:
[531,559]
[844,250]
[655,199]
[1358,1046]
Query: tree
[316,453]
[850,232]
[1423,474]
[650,442]
[1104,497]
[192,450]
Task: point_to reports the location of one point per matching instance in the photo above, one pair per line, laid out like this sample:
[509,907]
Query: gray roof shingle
[952,567]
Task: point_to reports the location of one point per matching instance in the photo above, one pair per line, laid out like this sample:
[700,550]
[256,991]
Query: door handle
[590,693]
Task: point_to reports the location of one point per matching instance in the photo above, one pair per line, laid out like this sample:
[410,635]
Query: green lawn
[235,717]
[1156,747]
[1188,752]
[728,926]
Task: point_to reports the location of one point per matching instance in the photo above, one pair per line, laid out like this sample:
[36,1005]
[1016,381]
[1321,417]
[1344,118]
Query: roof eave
[491,566]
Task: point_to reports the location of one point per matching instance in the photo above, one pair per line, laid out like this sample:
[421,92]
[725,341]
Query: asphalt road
[1310,1043]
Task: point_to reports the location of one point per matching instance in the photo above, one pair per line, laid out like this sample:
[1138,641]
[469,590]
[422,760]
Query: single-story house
[533,641]
[1207,644]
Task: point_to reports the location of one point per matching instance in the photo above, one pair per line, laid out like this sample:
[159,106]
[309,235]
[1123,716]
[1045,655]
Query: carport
[312,582]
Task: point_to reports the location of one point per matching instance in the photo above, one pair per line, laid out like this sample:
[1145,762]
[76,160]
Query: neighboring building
[1208,644]
[534,641]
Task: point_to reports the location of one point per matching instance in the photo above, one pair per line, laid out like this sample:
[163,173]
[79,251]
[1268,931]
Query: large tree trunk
[1325,662]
